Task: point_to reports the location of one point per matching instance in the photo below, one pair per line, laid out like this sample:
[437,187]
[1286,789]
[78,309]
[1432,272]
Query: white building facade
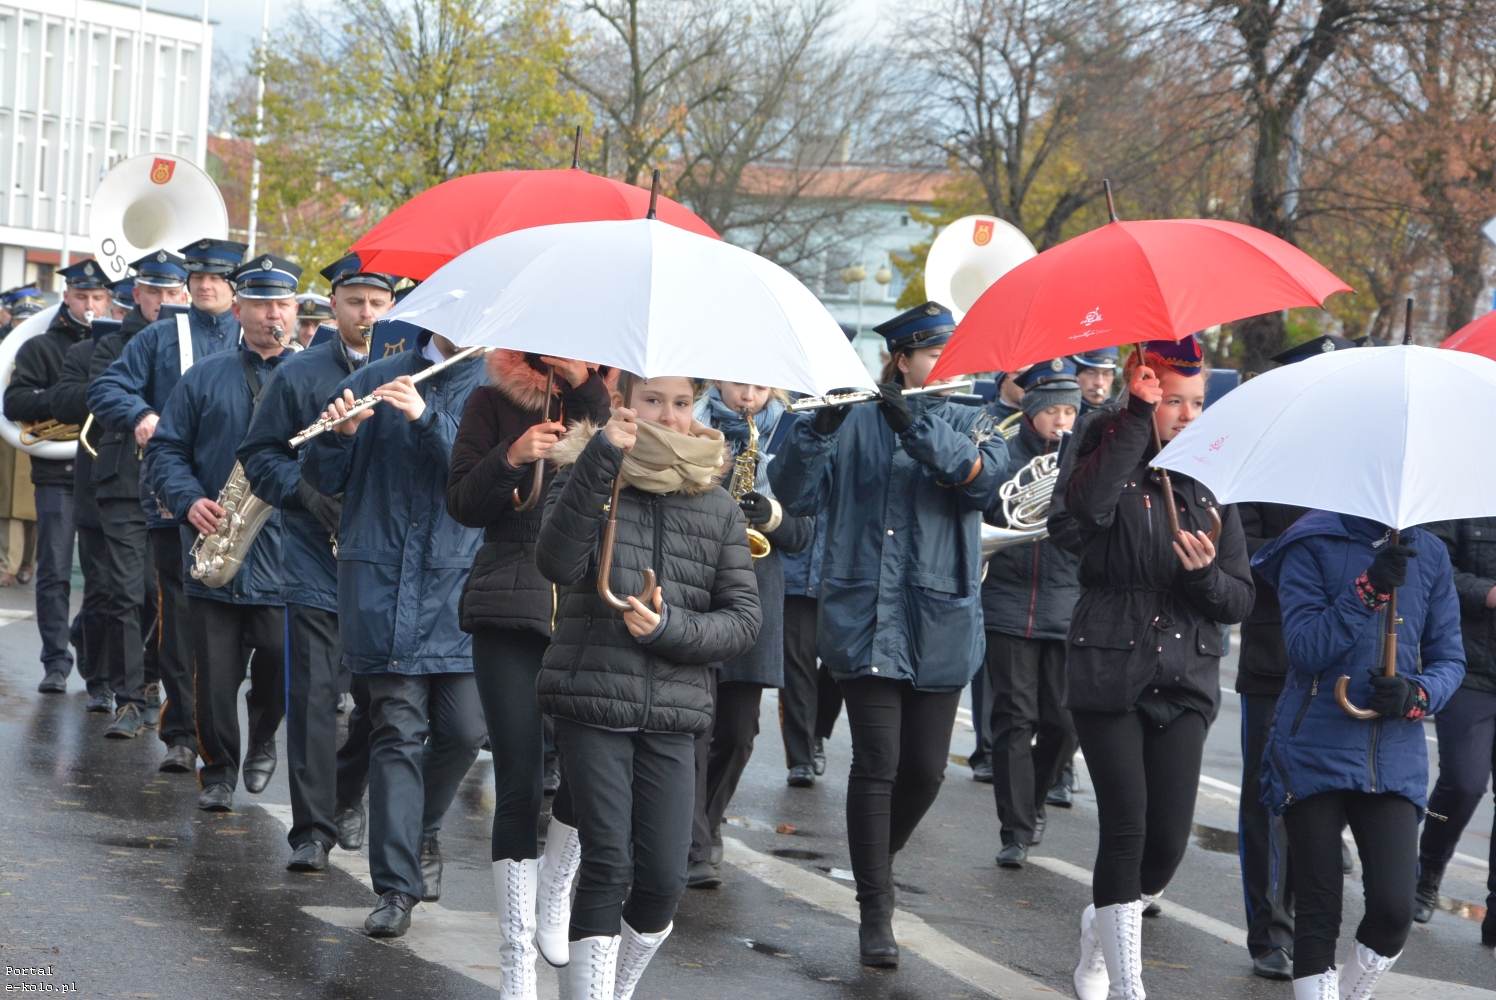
[84,84]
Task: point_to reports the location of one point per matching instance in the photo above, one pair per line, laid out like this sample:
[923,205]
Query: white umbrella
[1399,435]
[641,296]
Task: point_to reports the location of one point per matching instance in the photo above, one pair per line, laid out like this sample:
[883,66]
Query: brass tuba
[744,478]
[217,557]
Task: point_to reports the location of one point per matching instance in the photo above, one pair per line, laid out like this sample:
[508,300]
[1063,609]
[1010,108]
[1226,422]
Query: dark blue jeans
[55,532]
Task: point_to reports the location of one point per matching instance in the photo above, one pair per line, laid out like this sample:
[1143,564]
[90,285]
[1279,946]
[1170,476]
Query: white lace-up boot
[1090,974]
[557,871]
[1362,971]
[590,969]
[514,887]
[1325,986]
[633,956]
[1119,928]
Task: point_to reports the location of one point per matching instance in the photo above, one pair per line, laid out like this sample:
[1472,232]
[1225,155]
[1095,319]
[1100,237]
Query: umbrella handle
[1341,699]
[537,480]
[1389,653]
[605,559]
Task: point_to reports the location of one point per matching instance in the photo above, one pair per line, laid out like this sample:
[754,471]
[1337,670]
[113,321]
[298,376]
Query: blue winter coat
[294,397]
[901,579]
[402,560]
[192,455]
[141,379]
[1314,746]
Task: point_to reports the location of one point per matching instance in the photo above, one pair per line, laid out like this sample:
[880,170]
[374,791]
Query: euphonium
[744,479]
[37,431]
[217,557]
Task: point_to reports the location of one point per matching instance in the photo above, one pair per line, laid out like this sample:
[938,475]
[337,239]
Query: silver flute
[868,395]
[323,424]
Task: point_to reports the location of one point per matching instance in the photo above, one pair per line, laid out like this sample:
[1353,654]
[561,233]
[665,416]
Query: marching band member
[312,310]
[29,397]
[1095,372]
[402,562]
[810,700]
[722,754]
[121,298]
[293,398]
[900,610]
[1027,597]
[629,691]
[1145,645]
[192,457]
[1324,769]
[128,398]
[508,608]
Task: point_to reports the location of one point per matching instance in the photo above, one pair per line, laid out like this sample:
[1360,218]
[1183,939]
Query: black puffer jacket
[505,589]
[1472,549]
[1264,661]
[595,672]
[29,396]
[1143,624]
[116,472]
[1031,589]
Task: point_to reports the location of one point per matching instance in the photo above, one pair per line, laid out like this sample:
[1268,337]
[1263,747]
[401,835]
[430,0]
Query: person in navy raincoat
[900,621]
[402,563]
[128,398]
[324,811]
[192,458]
[1324,769]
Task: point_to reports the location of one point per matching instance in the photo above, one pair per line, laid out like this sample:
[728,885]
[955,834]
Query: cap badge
[1057,365]
[88,269]
[266,264]
[932,310]
[160,256]
[204,244]
[1327,347]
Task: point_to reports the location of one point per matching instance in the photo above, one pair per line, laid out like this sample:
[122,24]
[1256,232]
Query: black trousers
[426,732]
[1145,778]
[722,756]
[981,719]
[93,663]
[506,663]
[1386,832]
[227,640]
[1467,758]
[313,653]
[353,755]
[1262,840]
[631,792]
[55,532]
[810,700]
[900,740]
[126,584]
[1027,680]
[173,642]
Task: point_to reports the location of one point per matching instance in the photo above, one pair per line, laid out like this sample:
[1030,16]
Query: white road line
[1394,986]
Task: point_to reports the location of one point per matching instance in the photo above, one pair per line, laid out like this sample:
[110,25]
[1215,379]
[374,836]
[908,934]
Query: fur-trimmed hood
[522,383]
[570,448]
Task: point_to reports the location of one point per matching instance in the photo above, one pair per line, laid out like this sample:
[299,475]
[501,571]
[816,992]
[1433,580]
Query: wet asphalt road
[111,882]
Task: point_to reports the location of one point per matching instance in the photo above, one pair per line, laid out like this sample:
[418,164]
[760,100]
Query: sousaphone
[970,255]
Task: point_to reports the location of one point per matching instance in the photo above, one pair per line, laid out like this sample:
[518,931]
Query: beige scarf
[664,461]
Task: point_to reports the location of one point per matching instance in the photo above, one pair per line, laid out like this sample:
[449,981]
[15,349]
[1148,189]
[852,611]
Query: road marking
[9,617]
[1394,986]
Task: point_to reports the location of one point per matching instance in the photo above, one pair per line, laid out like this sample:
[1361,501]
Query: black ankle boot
[1426,895]
[875,939]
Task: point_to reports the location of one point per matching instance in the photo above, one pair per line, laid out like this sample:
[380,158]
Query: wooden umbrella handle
[1389,653]
[605,559]
[537,479]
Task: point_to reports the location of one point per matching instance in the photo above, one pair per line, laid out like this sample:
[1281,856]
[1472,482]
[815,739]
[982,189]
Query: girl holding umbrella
[1145,644]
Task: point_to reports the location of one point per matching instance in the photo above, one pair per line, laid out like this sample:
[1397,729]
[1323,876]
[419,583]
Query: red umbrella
[1128,282]
[442,222]
[1477,337]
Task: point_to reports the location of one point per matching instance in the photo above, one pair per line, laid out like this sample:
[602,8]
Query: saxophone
[217,557]
[744,478]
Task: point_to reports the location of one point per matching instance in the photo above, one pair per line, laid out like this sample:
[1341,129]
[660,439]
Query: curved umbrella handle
[1214,533]
[537,481]
[605,559]
[1341,699]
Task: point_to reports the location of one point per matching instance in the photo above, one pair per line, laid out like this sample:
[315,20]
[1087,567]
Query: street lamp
[856,274]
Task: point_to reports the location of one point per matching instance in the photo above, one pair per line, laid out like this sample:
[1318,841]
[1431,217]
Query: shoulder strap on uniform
[184,342]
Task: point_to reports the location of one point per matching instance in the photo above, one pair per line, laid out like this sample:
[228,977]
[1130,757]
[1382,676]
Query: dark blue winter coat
[192,455]
[1314,746]
[141,379]
[294,397]
[901,579]
[402,559]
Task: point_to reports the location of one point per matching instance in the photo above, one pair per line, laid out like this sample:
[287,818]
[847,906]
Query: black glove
[327,510]
[829,418]
[1389,570]
[1394,697]
[895,407]
[757,508]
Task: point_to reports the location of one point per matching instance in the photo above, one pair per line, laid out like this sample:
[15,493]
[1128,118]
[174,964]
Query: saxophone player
[192,460]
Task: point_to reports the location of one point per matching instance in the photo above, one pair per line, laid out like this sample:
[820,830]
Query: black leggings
[1145,779]
[1386,832]
[505,665]
[900,740]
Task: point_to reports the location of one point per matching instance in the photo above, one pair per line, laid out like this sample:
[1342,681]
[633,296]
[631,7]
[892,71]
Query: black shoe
[258,767]
[1012,856]
[100,701]
[1426,895]
[217,797]
[1040,822]
[801,776]
[431,871]
[551,783]
[127,723]
[179,759]
[1060,796]
[391,918]
[982,771]
[875,941]
[151,716]
[1488,928]
[351,823]
[53,683]
[1274,965]
[309,857]
[818,757]
[702,875]
[345,703]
